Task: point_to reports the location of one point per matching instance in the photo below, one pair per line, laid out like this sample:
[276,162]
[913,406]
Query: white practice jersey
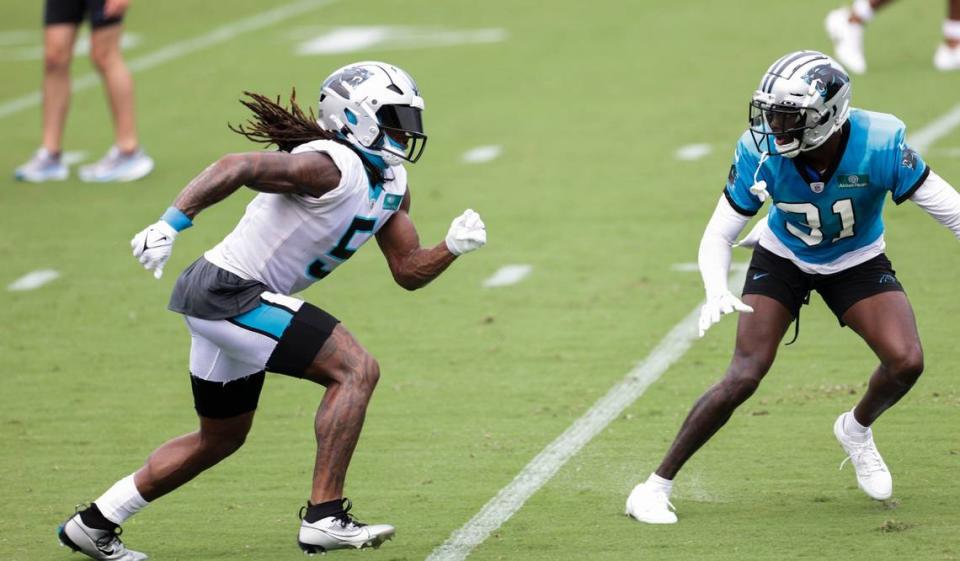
[288,242]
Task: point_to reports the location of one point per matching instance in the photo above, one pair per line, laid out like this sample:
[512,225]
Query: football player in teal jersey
[827,169]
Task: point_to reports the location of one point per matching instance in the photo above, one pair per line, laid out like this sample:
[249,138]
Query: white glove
[467,233]
[153,245]
[718,306]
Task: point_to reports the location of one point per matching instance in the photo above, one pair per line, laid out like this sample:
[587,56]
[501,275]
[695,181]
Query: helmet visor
[403,125]
[779,125]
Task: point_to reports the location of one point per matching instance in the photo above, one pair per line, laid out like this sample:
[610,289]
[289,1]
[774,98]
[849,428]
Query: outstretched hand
[719,306]
[153,246]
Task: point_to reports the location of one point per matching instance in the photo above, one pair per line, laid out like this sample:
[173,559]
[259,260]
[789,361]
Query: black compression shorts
[73,11]
[778,278]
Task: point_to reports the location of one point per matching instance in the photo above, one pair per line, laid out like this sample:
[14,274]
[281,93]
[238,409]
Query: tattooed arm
[412,266]
[309,173]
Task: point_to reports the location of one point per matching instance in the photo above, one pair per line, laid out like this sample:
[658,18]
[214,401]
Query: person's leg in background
[61,21]
[125,160]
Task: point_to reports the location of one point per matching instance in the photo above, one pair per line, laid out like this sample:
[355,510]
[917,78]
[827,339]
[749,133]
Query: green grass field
[589,102]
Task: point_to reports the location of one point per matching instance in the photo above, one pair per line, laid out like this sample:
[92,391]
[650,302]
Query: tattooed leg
[350,375]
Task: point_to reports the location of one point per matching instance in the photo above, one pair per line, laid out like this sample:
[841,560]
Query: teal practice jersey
[820,218]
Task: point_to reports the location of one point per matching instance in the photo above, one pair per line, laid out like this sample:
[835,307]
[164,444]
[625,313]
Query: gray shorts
[206,291]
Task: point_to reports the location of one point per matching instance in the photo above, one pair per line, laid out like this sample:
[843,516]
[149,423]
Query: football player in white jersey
[827,169]
[334,183]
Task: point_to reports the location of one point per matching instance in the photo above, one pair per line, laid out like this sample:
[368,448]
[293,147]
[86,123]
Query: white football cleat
[42,167]
[103,545]
[847,40]
[650,505]
[341,531]
[947,58]
[117,166]
[872,473]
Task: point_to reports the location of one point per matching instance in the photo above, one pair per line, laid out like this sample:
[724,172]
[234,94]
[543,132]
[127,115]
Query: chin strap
[759,187]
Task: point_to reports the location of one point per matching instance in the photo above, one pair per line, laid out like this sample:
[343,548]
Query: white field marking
[507,275]
[29,50]
[71,158]
[546,464]
[947,152]
[18,37]
[481,154]
[33,280]
[339,40]
[924,138]
[694,268]
[692,152]
[179,49]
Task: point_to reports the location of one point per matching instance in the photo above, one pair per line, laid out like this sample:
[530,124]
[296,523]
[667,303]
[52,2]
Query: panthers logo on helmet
[827,79]
[352,77]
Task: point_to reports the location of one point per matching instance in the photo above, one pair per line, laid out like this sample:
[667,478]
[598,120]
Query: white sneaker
[847,40]
[650,505]
[42,167]
[116,166]
[947,58]
[103,545]
[341,532]
[872,473]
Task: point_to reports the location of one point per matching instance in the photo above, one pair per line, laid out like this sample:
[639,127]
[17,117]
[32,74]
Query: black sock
[92,517]
[323,510]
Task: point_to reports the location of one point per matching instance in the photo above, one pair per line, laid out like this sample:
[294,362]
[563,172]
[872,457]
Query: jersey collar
[810,175]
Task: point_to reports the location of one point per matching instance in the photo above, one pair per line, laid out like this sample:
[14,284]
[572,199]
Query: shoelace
[667,500]
[865,455]
[113,157]
[344,517]
[658,494]
[110,542]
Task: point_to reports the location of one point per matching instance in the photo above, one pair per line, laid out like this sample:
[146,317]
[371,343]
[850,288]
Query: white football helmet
[803,98]
[377,108]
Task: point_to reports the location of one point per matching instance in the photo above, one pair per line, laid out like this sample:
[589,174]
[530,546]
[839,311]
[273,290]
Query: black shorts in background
[778,278]
[73,11]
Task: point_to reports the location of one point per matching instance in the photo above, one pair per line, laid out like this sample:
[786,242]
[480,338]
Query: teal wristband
[177,219]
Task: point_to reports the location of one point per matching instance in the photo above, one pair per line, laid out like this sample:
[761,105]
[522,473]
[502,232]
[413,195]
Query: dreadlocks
[288,128]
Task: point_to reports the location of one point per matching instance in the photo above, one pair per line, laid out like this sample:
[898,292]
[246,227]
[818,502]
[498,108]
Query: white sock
[951,29]
[863,10]
[121,501]
[665,485]
[853,427]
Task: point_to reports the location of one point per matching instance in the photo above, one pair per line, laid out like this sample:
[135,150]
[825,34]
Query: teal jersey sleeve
[740,178]
[909,171]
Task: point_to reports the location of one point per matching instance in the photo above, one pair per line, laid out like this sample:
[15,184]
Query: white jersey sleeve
[288,242]
[352,173]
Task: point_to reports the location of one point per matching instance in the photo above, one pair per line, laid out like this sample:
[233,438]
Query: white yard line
[481,154]
[71,158]
[33,280]
[543,467]
[924,138]
[507,275]
[179,49]
[692,152]
[349,39]
[947,152]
